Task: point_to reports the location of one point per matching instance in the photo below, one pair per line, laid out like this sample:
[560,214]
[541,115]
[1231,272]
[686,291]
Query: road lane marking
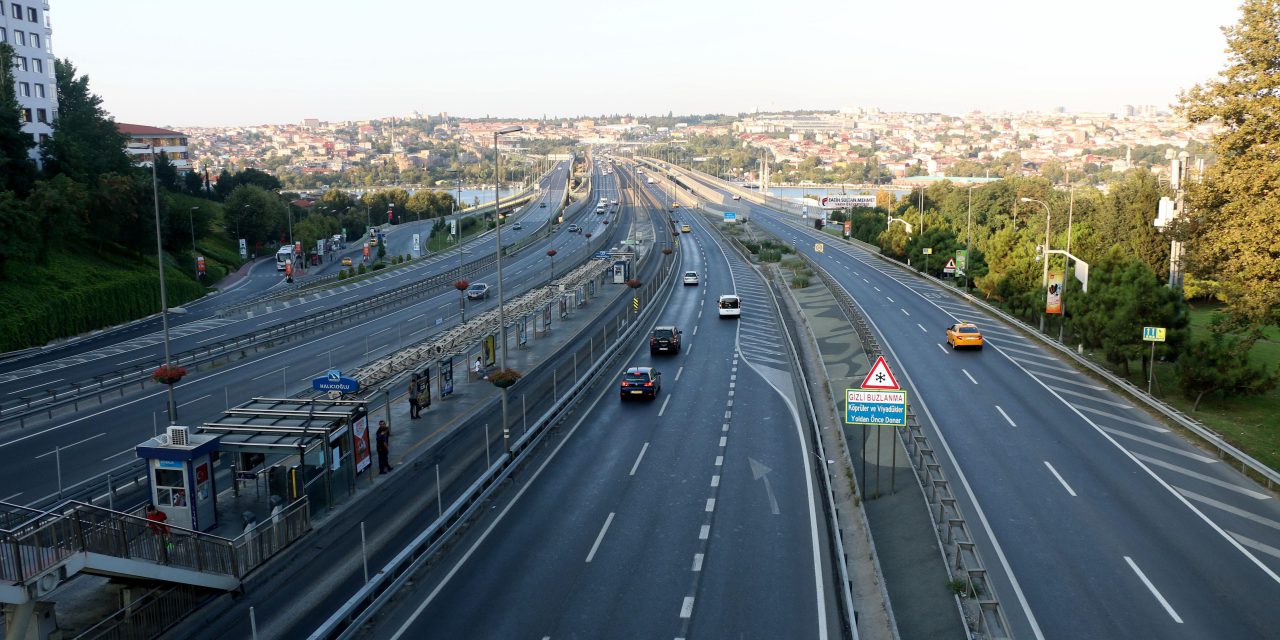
[1257,495]
[1131,421]
[723,441]
[1159,445]
[269,373]
[888,298]
[196,400]
[1006,416]
[600,537]
[715,481]
[69,446]
[686,609]
[966,374]
[12,496]
[905,311]
[1164,603]
[1255,545]
[876,288]
[638,459]
[719,461]
[1069,381]
[944,349]
[695,330]
[43,384]
[922,327]
[217,337]
[1119,405]
[725,427]
[664,405]
[711,505]
[1059,477]
[697,562]
[117,455]
[1266,522]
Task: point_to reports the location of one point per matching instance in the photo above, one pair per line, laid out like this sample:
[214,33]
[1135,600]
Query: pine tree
[1235,211]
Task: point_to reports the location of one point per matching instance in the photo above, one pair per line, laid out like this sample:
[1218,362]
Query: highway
[1093,518]
[79,446]
[692,515]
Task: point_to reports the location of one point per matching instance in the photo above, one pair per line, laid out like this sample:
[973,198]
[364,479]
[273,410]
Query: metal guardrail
[147,616]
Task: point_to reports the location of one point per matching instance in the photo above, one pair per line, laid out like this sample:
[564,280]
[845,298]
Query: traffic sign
[730,216]
[817,247]
[1153,334]
[951,266]
[875,408]
[333,380]
[928,251]
[880,377]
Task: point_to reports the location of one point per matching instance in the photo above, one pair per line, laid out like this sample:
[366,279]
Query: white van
[730,306]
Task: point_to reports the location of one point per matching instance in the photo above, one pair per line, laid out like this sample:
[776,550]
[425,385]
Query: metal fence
[147,616]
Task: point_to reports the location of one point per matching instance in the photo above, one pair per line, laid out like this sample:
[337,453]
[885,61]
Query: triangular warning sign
[951,266]
[880,377]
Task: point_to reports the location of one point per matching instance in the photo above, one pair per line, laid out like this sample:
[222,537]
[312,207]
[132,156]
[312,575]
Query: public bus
[284,256]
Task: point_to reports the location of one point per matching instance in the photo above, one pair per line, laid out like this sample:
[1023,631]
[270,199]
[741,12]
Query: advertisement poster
[523,338]
[1054,302]
[360,435]
[446,377]
[962,260]
[490,350]
[423,388]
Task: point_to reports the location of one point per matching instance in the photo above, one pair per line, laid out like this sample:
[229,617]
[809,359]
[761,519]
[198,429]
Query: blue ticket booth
[180,477]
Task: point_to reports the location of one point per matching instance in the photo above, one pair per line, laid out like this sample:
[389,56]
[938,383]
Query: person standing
[155,521]
[415,407]
[383,437]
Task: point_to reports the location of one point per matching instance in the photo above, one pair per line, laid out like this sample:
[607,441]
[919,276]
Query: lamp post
[191,223]
[457,227]
[164,294]
[502,314]
[1044,278]
[968,240]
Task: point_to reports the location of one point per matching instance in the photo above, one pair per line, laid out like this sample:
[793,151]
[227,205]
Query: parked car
[691,278]
[664,339]
[641,382]
[729,306]
[964,334]
[478,291]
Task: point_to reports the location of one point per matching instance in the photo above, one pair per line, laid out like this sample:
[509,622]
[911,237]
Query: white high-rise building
[26,27]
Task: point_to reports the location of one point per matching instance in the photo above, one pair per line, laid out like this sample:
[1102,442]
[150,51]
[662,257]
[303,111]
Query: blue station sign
[335,381]
[880,408]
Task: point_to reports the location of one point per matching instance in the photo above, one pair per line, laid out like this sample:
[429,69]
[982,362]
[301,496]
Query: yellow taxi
[686,229]
[346,262]
[964,334]
[675,205]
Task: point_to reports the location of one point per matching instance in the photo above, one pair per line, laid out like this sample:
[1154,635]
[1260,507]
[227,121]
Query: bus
[284,256]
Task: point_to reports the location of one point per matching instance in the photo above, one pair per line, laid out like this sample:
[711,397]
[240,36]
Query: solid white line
[697,562]
[217,337]
[638,459]
[12,496]
[1006,416]
[966,374]
[922,327]
[1064,482]
[196,400]
[1164,603]
[269,373]
[711,505]
[678,372]
[686,609]
[117,455]
[34,386]
[664,406]
[600,537]
[69,446]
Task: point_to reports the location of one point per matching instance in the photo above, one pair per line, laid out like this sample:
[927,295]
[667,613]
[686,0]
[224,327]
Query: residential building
[26,27]
[142,139]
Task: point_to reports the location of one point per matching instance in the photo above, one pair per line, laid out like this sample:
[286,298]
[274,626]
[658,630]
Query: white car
[737,197]
[730,306]
[691,278]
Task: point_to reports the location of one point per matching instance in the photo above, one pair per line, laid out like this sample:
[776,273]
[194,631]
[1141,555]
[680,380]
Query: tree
[1235,210]
[85,143]
[1218,364]
[18,239]
[17,171]
[193,183]
[260,216]
[60,207]
[166,173]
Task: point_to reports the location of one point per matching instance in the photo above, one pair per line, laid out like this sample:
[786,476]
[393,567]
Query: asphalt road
[692,515]
[1093,519]
[85,444]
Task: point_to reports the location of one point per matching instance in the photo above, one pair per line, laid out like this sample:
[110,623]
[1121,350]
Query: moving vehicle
[730,306]
[599,209]
[964,334]
[284,255]
[517,226]
[686,229]
[737,197]
[675,205]
[478,291]
[641,382]
[690,278]
[346,262]
[543,204]
[664,339]
[573,228]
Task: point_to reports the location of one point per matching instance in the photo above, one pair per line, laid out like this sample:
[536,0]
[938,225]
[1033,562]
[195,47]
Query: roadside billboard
[846,201]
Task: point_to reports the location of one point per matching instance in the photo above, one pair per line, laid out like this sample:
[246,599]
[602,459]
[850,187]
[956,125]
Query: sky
[236,62]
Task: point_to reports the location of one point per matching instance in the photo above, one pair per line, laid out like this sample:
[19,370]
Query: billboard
[845,201]
[1053,304]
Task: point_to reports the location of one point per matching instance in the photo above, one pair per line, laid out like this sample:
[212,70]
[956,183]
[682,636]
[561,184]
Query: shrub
[799,282]
[342,275]
[361,270]
[378,265]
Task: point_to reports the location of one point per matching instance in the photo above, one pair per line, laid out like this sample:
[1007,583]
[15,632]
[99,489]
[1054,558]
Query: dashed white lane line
[697,562]
[638,459]
[600,537]
[723,441]
[922,327]
[1059,477]
[686,609]
[966,374]
[944,349]
[888,298]
[715,481]
[905,311]
[704,532]
[711,505]
[1006,416]
[664,406]
[678,372]
[719,461]
[1151,587]
[876,288]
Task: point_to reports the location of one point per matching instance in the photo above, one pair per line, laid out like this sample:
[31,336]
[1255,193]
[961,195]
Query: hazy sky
[170,62]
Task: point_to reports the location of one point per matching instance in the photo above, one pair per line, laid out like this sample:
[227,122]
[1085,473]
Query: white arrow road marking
[761,472]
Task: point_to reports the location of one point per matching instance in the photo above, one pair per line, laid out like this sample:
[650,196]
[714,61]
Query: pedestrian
[415,407]
[479,370]
[384,447]
[155,521]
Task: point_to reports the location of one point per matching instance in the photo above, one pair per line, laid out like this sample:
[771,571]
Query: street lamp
[457,227]
[968,240]
[191,223]
[1044,278]
[164,294]
[502,314]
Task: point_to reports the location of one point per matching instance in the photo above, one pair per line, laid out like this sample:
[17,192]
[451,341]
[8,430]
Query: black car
[664,339]
[641,382]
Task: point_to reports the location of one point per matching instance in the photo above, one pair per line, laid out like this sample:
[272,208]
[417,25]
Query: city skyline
[338,62]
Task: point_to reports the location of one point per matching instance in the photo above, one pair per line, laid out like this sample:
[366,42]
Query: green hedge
[79,292]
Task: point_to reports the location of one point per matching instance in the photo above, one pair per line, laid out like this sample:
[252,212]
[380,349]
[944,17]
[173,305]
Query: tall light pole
[191,223]
[164,294]
[968,240]
[502,313]
[1044,278]
[457,227]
